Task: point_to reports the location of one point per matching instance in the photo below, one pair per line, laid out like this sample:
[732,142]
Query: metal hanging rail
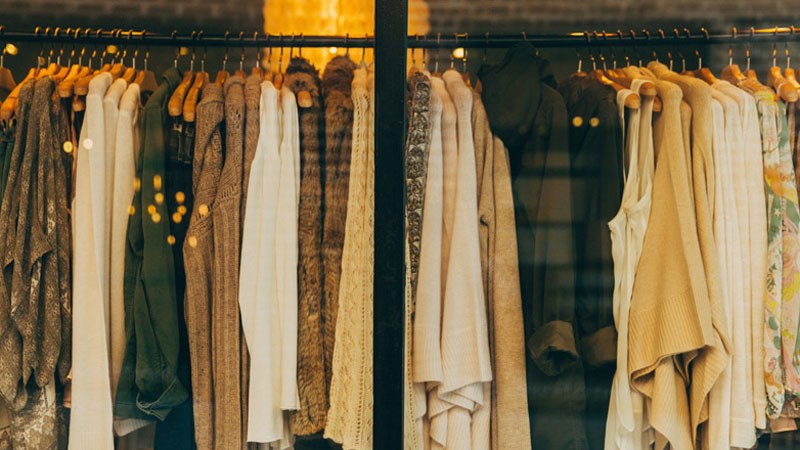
[593,38]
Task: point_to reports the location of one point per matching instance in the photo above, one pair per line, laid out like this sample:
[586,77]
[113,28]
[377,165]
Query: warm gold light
[332,17]
[458,53]
[11,49]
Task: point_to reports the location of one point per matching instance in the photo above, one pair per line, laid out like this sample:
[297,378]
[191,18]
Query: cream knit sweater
[259,302]
[741,415]
[427,327]
[117,203]
[349,419]
[91,416]
[751,160]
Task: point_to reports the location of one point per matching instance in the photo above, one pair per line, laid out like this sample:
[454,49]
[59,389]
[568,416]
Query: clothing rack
[199,38]
[391,43]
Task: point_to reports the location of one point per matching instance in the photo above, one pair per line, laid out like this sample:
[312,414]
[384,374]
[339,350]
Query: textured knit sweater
[226,330]
[349,420]
[302,76]
[198,257]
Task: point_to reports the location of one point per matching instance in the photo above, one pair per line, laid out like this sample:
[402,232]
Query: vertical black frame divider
[391,29]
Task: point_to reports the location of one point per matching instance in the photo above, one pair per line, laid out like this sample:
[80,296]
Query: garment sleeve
[550,260]
[153,357]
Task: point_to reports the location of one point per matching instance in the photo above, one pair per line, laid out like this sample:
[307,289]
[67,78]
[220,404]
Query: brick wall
[446,16]
[532,16]
[156,15]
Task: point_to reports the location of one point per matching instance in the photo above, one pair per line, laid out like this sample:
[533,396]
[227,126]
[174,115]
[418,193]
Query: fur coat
[302,76]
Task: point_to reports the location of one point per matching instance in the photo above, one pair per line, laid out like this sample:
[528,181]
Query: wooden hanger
[175,105]
[9,105]
[646,89]
[146,79]
[633,101]
[785,89]
[190,105]
[788,72]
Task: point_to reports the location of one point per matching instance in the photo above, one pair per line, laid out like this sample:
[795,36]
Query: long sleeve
[120,120]
[259,298]
[150,297]
[91,415]
[199,260]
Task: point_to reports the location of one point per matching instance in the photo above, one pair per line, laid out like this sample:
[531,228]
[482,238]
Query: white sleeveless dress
[627,427]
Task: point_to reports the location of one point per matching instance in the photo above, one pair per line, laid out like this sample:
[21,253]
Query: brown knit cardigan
[226,326]
[310,418]
[336,83]
[198,254]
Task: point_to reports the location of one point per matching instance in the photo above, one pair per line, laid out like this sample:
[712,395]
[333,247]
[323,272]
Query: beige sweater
[669,312]
[711,362]
[510,427]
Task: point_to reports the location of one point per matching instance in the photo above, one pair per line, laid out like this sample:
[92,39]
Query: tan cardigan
[670,313]
[709,364]
[510,427]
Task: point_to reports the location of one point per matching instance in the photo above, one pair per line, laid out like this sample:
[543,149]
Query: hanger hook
[438,50]
[589,48]
[300,47]
[786,49]
[258,50]
[364,49]
[452,59]
[291,48]
[466,54]
[747,51]
[241,58]
[269,52]
[347,44]
[669,54]
[413,50]
[280,55]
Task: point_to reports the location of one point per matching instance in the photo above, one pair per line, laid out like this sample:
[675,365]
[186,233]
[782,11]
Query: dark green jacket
[149,386]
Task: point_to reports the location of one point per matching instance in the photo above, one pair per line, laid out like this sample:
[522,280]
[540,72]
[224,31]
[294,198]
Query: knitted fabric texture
[226,328]
[310,418]
[252,96]
[199,259]
[350,416]
[336,83]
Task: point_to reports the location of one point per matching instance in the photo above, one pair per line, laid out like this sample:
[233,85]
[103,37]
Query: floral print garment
[773,364]
[790,292]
